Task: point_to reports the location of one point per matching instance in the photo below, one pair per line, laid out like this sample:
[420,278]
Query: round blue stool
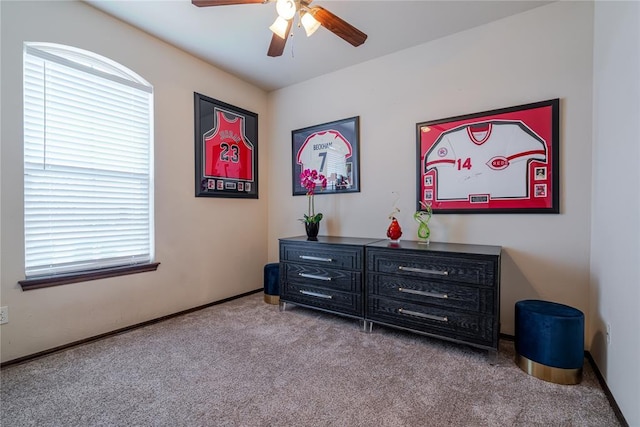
[549,341]
[271,283]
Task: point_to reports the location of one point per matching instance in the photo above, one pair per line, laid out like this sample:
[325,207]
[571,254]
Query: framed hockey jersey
[498,161]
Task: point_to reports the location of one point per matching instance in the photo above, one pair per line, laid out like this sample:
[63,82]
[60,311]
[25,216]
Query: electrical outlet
[608,333]
[4,315]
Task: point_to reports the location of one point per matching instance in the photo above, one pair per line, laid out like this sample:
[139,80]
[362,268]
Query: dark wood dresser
[443,290]
[326,274]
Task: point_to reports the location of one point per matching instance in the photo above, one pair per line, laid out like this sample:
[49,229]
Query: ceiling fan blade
[337,26]
[205,3]
[276,48]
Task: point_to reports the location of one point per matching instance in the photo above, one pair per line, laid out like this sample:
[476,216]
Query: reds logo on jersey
[498,163]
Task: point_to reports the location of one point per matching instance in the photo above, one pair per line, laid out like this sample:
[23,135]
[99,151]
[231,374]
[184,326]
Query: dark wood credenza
[443,290]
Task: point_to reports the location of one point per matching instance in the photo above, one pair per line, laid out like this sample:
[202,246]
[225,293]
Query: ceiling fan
[311,18]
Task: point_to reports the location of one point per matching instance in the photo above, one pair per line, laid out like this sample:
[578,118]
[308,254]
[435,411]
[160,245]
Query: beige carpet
[244,363]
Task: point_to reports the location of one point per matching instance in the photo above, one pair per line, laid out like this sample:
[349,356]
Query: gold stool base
[549,373]
[272,299]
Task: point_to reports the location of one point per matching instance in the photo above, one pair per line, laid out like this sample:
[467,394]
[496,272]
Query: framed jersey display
[499,161]
[226,150]
[333,150]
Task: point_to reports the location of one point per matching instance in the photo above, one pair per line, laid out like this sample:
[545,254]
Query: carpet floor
[245,363]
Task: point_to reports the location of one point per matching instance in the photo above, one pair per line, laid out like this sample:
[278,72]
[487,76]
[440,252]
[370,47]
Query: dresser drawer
[323,255]
[323,298]
[445,323]
[459,269]
[432,292]
[343,280]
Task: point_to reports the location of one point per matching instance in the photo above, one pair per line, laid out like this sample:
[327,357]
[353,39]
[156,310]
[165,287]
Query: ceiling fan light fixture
[309,23]
[279,27]
[311,17]
[286,8]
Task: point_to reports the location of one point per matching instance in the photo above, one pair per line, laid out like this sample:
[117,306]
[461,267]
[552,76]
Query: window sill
[85,276]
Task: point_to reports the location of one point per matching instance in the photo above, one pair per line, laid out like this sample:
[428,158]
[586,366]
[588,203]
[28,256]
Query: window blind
[88,182]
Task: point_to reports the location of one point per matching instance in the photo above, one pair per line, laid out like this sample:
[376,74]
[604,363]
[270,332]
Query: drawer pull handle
[316,294]
[313,276]
[423,270]
[425,316]
[423,293]
[315,258]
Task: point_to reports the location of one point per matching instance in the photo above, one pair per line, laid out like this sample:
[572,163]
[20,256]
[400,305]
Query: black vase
[312,229]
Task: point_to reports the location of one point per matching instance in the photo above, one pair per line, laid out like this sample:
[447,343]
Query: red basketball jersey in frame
[228,154]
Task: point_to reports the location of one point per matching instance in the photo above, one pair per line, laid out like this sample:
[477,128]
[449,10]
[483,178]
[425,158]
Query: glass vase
[424,233]
[394,232]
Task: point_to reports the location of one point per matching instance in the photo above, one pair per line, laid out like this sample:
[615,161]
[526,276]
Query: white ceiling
[236,38]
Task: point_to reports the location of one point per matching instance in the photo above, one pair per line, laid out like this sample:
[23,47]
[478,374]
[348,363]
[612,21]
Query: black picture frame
[498,161]
[333,149]
[226,150]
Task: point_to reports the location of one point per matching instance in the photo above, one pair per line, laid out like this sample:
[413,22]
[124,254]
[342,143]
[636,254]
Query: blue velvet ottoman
[549,341]
[272,283]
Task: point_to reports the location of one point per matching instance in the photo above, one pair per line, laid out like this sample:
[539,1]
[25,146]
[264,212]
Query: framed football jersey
[498,161]
[332,149]
[226,150]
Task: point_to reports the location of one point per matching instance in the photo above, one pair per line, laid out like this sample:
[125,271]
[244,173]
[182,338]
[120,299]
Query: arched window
[88,165]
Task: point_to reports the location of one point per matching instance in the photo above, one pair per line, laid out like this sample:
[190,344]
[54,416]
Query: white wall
[615,230]
[541,54]
[209,249]
[214,248]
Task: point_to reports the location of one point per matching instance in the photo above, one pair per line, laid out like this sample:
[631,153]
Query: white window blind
[88,162]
